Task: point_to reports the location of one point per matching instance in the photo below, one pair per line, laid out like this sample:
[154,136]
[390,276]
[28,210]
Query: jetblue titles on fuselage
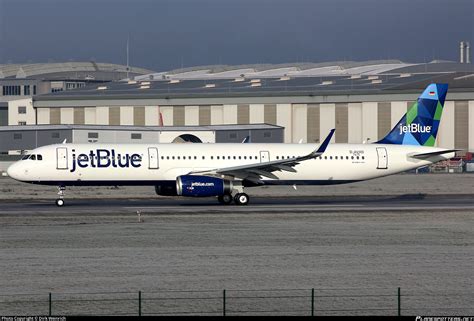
[103,158]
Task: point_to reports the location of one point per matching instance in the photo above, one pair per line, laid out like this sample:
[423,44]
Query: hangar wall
[354,122]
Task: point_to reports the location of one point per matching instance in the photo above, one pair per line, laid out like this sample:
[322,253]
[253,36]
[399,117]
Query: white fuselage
[150,164]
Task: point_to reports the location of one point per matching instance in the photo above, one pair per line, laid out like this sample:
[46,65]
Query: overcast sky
[168,34]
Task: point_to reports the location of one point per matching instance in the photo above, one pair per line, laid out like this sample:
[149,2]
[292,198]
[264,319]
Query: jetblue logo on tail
[414,128]
[419,126]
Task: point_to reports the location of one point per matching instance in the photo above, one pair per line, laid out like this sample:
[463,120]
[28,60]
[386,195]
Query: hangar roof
[337,68]
[67,70]
[372,77]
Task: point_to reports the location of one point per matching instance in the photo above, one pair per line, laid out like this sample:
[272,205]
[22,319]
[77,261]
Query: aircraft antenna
[128,66]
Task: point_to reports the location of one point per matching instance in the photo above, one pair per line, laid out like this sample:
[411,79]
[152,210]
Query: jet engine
[202,186]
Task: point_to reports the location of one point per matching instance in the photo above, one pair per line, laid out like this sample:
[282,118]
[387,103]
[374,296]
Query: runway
[421,243]
[409,202]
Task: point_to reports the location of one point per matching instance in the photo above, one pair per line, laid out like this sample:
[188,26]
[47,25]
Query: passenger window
[245,157]
[325,157]
[218,157]
[363,157]
[172,157]
[347,157]
[240,157]
[212,157]
[357,157]
[335,157]
[203,157]
[195,157]
[352,157]
[40,157]
[330,157]
[234,157]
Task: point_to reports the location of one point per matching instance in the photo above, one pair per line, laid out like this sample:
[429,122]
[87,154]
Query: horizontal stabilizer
[430,154]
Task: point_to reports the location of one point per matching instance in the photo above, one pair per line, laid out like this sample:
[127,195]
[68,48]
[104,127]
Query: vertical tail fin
[419,126]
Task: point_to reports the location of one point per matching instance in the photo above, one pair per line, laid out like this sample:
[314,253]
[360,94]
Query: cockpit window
[33,157]
[25,157]
[39,157]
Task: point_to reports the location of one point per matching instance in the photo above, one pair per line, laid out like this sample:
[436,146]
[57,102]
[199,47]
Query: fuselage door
[382,158]
[153,158]
[264,156]
[61,158]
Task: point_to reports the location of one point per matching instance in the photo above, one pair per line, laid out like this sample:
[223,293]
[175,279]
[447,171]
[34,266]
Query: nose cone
[13,171]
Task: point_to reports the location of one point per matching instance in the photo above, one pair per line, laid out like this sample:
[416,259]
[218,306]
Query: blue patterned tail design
[419,126]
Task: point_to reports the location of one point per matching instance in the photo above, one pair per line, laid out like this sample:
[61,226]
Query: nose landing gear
[60,200]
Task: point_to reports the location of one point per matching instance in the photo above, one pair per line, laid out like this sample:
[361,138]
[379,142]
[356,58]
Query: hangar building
[362,100]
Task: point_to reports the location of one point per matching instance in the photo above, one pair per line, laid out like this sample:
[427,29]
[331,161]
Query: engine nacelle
[202,186]
[166,189]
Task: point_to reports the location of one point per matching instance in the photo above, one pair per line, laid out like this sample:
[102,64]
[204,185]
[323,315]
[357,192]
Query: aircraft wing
[255,172]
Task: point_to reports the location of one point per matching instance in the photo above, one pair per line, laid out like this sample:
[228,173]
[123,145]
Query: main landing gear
[239,199]
[60,200]
[225,199]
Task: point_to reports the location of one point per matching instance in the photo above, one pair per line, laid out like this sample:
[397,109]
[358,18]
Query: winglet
[325,143]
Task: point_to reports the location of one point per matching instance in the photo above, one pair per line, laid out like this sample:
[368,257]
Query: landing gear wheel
[225,199]
[60,200]
[241,199]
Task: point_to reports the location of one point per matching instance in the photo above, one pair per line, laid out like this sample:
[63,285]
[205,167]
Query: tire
[225,199]
[59,202]
[241,199]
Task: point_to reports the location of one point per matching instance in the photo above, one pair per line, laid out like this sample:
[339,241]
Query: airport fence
[309,302]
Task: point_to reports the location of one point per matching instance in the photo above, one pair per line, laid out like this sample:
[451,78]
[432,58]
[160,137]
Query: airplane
[224,170]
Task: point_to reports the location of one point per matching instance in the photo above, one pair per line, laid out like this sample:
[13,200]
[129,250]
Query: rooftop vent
[102,88]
